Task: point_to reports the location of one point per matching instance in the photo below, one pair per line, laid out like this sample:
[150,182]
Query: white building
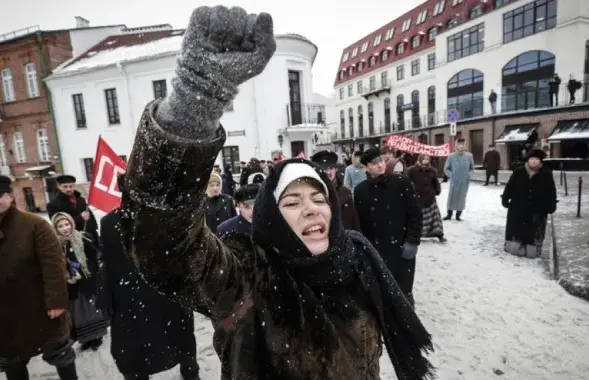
[450,54]
[104,91]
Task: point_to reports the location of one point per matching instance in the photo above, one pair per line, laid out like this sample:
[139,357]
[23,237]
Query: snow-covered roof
[516,133]
[125,47]
[570,129]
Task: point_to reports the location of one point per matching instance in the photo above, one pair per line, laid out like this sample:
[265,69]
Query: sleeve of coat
[508,190]
[105,295]
[170,243]
[413,216]
[551,196]
[53,269]
[448,167]
[347,178]
[436,182]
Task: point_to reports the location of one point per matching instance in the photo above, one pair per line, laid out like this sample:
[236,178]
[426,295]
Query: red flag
[104,189]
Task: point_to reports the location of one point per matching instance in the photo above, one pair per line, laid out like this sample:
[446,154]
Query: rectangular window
[439,8]
[341,93]
[372,83]
[359,87]
[160,89]
[88,164]
[476,12]
[355,52]
[406,25]
[377,40]
[421,17]
[467,42]
[415,41]
[112,106]
[32,82]
[384,79]
[431,61]
[43,145]
[345,57]
[350,90]
[400,72]
[431,34]
[79,111]
[415,67]
[364,47]
[8,85]
[529,19]
[231,158]
[3,157]
[500,3]
[456,2]
[389,34]
[20,154]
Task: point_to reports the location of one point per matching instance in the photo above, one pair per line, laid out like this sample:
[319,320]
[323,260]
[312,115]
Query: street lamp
[280,140]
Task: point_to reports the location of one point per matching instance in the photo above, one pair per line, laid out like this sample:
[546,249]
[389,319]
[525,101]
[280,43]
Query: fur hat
[215,177]
[5,184]
[369,155]
[325,159]
[537,153]
[65,178]
[247,192]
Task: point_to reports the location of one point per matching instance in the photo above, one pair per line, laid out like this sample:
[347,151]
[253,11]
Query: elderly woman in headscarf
[301,298]
[89,323]
[219,207]
[427,186]
[529,196]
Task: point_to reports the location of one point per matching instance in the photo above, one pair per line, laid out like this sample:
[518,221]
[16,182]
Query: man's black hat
[247,192]
[369,155]
[325,158]
[5,184]
[358,153]
[65,178]
[537,153]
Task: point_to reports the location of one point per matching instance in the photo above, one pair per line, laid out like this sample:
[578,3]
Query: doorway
[50,188]
[476,146]
[29,199]
[296,147]
[294,92]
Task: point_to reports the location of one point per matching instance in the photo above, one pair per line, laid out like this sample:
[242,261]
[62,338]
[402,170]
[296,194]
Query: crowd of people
[304,267]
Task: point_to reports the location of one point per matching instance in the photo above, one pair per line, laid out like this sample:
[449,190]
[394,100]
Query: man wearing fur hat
[529,196]
[33,293]
[218,207]
[70,201]
[244,197]
[390,217]
[327,160]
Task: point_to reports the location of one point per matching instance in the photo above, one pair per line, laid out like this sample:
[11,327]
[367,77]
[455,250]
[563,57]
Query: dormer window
[431,34]
[421,17]
[377,40]
[355,52]
[415,41]
[390,34]
[384,55]
[345,57]
[439,8]
[406,25]
[360,66]
[372,61]
[350,70]
[452,23]
[400,48]
[364,47]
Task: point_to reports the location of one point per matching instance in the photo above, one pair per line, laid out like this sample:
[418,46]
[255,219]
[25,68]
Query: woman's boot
[448,216]
[458,213]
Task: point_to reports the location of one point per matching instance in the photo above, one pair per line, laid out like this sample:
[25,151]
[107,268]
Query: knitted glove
[409,251]
[221,49]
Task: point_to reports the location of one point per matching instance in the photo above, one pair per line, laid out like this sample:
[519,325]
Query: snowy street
[491,314]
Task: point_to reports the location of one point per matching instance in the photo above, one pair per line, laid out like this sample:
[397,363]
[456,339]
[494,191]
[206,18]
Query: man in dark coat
[149,333]
[70,201]
[244,197]
[390,217]
[491,163]
[33,293]
[328,162]
[253,167]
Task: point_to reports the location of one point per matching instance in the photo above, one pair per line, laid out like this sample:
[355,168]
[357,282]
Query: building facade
[104,91]
[448,55]
[29,149]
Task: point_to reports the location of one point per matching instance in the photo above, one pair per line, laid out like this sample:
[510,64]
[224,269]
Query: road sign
[452,129]
[453,116]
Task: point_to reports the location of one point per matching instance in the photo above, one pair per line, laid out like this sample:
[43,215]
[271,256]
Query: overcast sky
[330,24]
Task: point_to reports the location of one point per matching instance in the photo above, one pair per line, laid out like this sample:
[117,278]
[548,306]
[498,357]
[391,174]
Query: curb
[573,289]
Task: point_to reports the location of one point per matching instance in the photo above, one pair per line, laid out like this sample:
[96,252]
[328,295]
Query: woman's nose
[310,208]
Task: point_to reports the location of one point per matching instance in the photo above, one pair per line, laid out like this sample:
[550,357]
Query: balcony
[305,114]
[376,90]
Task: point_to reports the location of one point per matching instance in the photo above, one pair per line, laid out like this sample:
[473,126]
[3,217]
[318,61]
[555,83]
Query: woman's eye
[320,200]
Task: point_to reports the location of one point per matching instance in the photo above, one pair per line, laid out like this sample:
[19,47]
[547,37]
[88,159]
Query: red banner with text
[415,147]
[104,189]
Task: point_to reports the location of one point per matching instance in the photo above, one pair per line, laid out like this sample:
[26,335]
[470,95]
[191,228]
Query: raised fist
[228,43]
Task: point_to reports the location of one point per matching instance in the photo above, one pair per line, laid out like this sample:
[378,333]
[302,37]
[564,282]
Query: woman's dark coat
[148,331]
[524,198]
[89,285]
[426,183]
[233,282]
[350,219]
[219,209]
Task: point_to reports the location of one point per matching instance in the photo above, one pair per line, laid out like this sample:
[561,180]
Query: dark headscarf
[349,260]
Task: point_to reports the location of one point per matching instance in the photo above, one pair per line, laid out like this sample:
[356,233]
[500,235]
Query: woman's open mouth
[315,230]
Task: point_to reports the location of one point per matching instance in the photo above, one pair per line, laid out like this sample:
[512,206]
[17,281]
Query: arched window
[400,112]
[370,119]
[359,66]
[360,122]
[465,93]
[384,55]
[350,70]
[431,105]
[415,119]
[525,81]
[372,61]
[387,115]
[342,123]
[351,119]
[400,48]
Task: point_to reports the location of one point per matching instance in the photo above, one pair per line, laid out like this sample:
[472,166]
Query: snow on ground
[491,314]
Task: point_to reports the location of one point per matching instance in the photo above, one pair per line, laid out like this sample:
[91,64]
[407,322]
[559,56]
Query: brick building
[29,150]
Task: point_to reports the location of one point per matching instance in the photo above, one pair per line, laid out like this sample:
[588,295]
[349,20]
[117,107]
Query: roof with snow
[570,129]
[516,133]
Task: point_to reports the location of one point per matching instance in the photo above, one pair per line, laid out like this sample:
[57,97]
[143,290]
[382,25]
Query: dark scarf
[350,260]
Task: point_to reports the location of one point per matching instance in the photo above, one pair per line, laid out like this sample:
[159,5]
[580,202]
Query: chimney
[81,22]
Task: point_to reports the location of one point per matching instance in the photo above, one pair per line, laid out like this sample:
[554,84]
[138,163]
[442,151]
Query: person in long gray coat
[458,168]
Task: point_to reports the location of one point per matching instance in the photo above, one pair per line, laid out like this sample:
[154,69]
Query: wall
[84,38]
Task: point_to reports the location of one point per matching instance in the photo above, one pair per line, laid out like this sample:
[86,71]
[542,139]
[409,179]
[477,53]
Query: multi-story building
[29,150]
[444,55]
[105,89]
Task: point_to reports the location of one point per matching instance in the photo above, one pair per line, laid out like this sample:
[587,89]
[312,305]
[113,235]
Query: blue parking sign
[452,115]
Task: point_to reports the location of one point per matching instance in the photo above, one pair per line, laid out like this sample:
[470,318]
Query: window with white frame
[372,83]
[350,70]
[421,17]
[43,145]
[18,143]
[406,25]
[32,82]
[364,47]
[400,48]
[3,158]
[432,33]
[456,2]
[359,87]
[415,41]
[7,85]
[372,61]
[377,40]
[355,52]
[400,72]
[345,57]
[350,90]
[341,93]
[439,8]
[390,34]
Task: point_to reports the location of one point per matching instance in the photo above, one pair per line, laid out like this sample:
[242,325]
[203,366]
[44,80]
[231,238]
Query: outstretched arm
[174,153]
